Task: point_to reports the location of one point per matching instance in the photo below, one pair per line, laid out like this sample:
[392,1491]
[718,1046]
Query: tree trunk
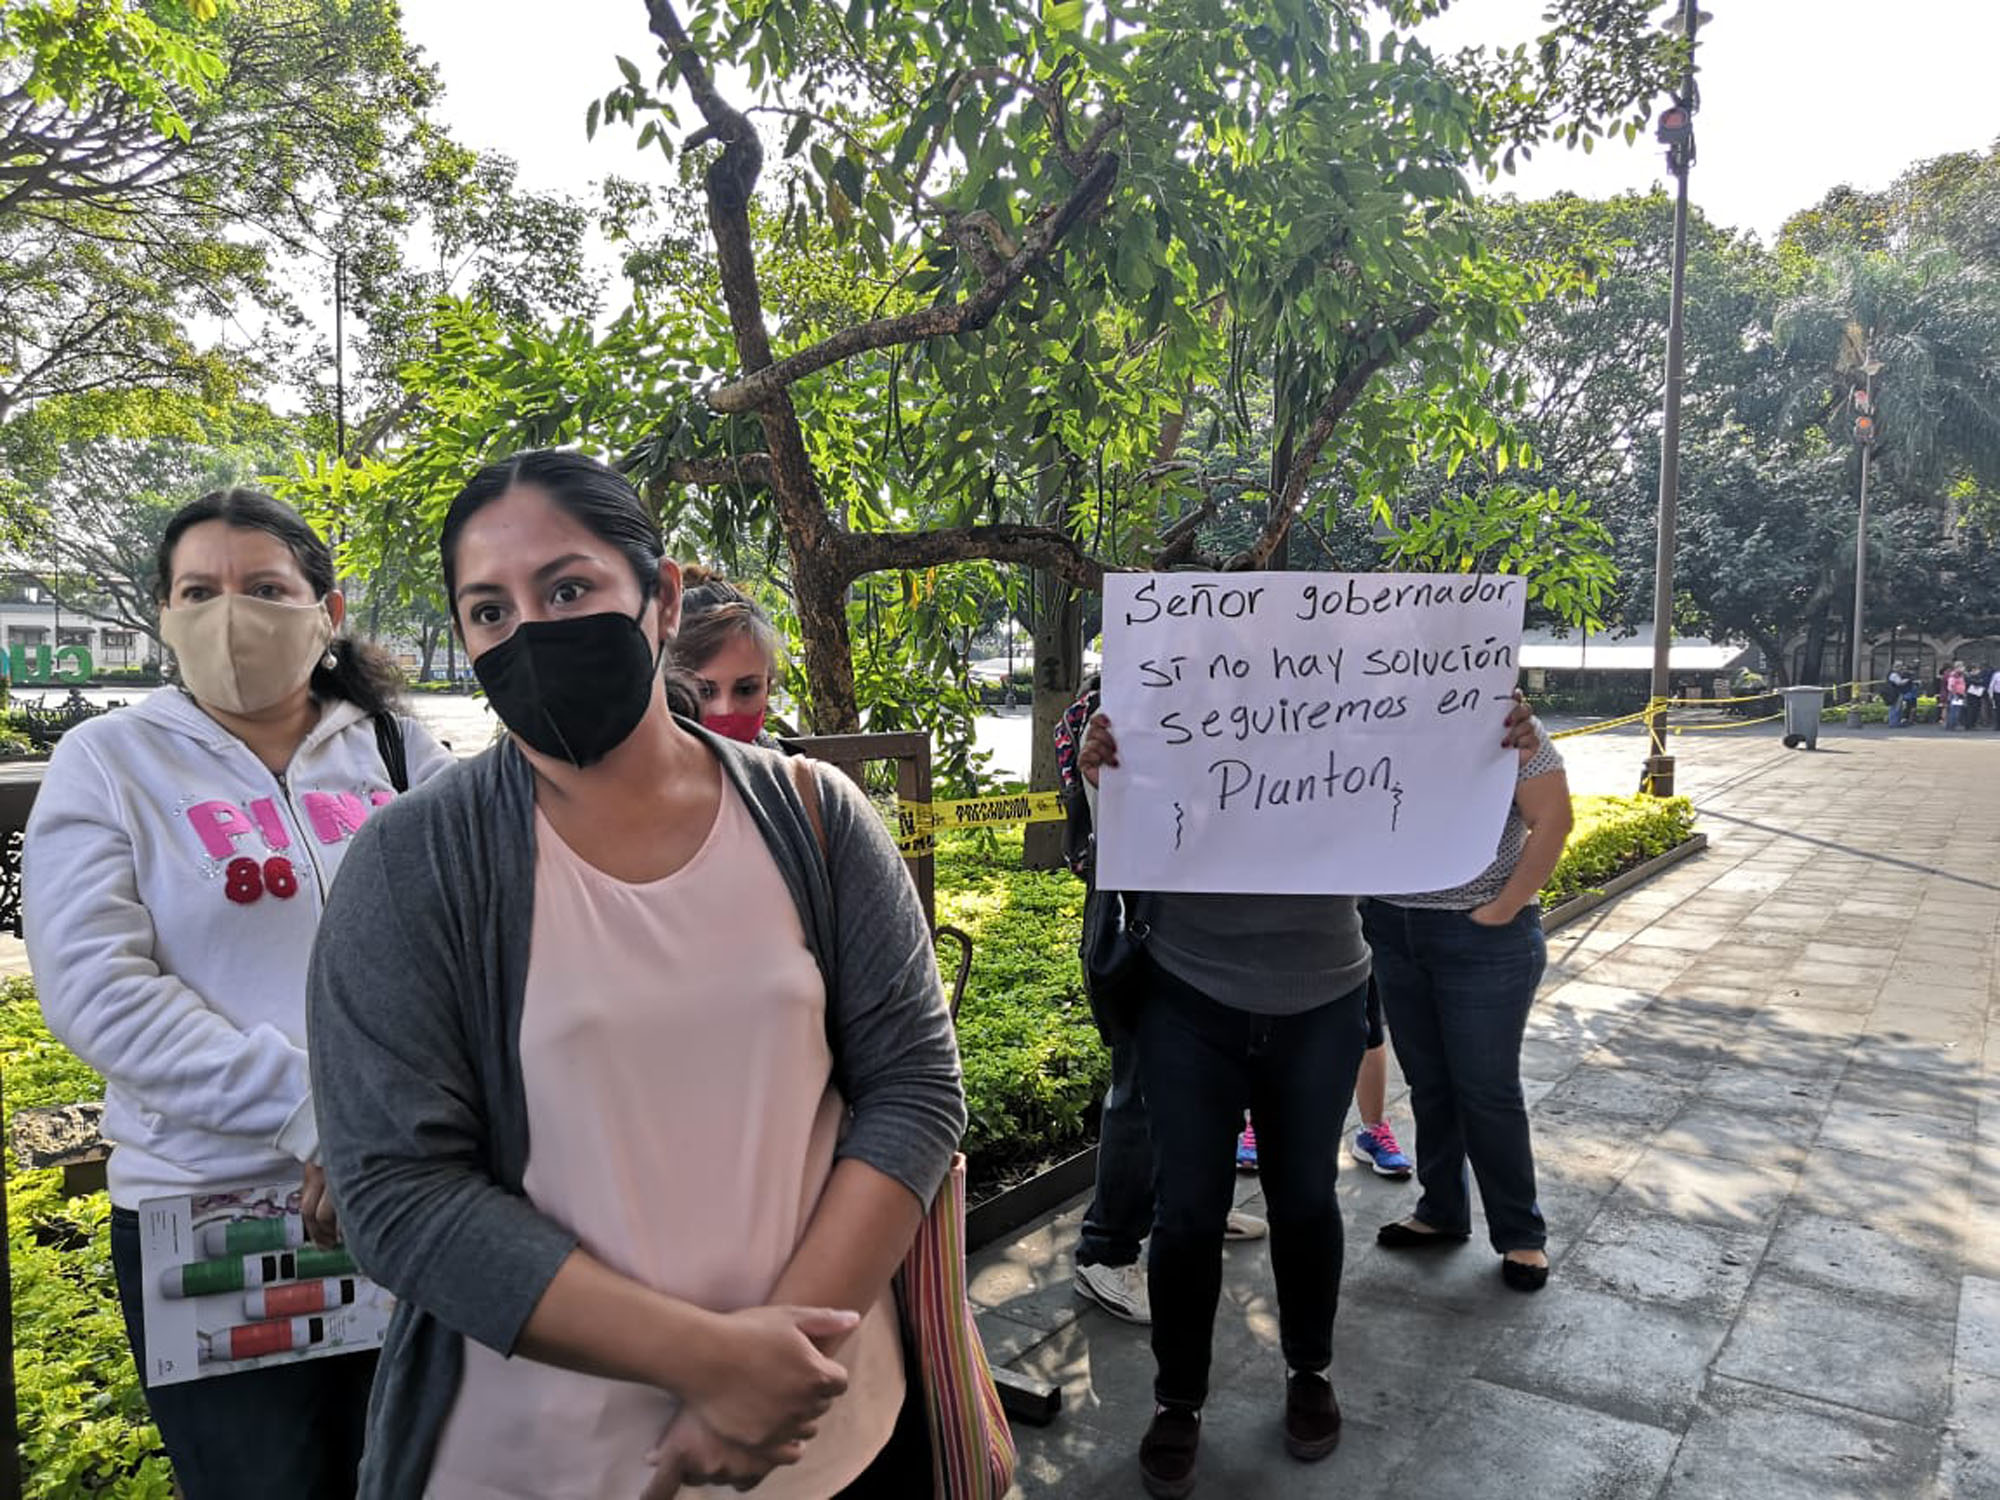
[820,595]
[1058,647]
[427,644]
[1815,645]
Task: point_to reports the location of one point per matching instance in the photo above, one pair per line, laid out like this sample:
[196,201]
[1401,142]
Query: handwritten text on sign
[1306,733]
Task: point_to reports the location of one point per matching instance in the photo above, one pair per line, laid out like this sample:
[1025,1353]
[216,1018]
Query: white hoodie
[172,885]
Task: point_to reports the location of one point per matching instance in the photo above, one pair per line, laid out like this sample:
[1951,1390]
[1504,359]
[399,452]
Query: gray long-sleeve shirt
[414,1009]
[1271,955]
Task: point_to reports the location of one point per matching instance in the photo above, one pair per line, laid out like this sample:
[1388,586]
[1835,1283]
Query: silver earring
[330,661]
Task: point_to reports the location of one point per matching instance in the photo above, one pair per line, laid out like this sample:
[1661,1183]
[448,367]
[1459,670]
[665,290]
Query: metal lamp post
[1864,437]
[1676,131]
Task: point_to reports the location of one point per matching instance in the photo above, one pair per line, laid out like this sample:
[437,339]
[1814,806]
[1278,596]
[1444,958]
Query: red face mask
[744,727]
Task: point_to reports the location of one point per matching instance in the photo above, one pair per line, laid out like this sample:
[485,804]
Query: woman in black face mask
[679,1202]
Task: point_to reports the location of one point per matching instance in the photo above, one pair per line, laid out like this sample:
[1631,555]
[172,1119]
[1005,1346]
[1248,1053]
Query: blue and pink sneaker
[1246,1147]
[1376,1145]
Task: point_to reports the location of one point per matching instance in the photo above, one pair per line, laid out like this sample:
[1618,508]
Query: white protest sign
[1306,733]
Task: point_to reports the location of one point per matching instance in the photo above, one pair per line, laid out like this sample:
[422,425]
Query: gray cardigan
[414,1013]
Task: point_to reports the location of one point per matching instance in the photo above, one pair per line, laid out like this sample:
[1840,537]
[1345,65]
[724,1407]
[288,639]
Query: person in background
[1901,695]
[1458,971]
[1375,1142]
[1976,682]
[1953,697]
[176,869]
[1254,1002]
[1120,1215]
[637,1093]
[732,653]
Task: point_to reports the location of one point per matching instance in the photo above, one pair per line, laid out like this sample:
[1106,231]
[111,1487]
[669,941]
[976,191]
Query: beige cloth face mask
[243,655]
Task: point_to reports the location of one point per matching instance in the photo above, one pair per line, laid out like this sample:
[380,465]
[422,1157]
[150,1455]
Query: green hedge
[1612,834]
[1034,1073]
[84,1429]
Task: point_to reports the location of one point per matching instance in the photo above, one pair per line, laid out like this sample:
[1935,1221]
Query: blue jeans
[1295,1074]
[1121,1208]
[290,1430]
[1458,996]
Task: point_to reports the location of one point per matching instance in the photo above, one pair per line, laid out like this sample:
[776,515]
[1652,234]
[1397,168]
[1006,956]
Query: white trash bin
[1802,711]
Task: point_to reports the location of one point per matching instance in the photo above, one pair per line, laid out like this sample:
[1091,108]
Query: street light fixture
[1864,438]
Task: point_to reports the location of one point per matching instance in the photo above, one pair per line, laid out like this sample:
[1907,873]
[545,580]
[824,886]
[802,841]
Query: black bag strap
[395,759]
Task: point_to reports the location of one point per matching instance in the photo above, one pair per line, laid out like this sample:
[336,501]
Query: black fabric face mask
[573,689]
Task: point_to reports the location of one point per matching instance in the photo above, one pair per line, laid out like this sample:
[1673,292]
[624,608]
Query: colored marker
[255,1340]
[205,1278]
[299,1298]
[252,1236]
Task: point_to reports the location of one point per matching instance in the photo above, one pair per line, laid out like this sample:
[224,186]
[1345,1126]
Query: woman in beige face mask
[177,865]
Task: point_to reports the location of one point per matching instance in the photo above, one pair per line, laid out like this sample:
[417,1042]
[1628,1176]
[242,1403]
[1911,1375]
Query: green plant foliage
[1611,835]
[84,1428]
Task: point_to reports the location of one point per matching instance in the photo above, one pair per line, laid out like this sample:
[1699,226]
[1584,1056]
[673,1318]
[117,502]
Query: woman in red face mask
[732,652]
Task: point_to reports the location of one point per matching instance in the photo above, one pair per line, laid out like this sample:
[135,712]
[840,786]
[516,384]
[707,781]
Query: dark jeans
[1121,1208]
[291,1430]
[1295,1074]
[1458,996]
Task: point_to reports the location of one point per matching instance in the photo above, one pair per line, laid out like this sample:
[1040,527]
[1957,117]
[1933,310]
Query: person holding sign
[1458,971]
[1250,1001]
[177,863]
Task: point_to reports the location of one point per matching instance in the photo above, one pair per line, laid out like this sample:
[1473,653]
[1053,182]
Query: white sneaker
[1244,1226]
[1119,1290]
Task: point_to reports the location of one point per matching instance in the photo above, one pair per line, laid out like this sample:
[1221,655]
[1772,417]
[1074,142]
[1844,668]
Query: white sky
[1798,96]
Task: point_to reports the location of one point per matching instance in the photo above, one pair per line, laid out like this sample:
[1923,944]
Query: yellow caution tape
[918,822]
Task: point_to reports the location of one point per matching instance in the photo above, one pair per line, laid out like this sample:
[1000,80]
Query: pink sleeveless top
[682,1122]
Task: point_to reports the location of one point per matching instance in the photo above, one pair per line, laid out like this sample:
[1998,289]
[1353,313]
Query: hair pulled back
[599,498]
[360,674]
[715,612]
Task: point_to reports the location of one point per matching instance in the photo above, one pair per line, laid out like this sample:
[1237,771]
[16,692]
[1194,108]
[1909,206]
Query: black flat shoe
[1399,1236]
[1523,1277]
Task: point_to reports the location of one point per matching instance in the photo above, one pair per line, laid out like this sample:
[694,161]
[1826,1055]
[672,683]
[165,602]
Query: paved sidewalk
[1764,1094]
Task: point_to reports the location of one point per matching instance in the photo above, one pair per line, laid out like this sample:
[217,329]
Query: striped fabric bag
[972,1450]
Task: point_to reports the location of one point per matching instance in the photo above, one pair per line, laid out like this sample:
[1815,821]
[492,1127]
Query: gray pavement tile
[1492,1441]
[1706,1128]
[1642,1361]
[1704,1189]
[1942,1096]
[1649,970]
[1750,1443]
[1963,1032]
[1600,1090]
[1837,1348]
[1681,936]
[1652,1258]
[1872,1264]
[1846,999]
[1890,1134]
[1969,1463]
[1669,1048]
[1732,1085]
[1842,950]
[1978,1347]
[1925,1200]
[1552,1059]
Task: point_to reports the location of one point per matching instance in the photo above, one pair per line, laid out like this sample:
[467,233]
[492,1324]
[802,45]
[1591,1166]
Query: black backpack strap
[389,740]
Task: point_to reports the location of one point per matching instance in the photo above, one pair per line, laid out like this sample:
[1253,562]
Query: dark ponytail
[361,674]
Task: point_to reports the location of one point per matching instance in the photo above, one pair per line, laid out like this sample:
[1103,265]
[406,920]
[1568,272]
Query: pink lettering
[219,825]
[381,798]
[335,815]
[271,824]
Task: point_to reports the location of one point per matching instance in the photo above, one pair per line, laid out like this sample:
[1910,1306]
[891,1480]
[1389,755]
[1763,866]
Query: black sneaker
[1166,1453]
[1312,1417]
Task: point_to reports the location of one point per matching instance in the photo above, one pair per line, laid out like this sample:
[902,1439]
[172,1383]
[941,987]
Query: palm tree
[1920,331]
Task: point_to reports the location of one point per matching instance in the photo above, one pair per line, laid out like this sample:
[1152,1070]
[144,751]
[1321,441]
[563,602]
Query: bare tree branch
[1038,546]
